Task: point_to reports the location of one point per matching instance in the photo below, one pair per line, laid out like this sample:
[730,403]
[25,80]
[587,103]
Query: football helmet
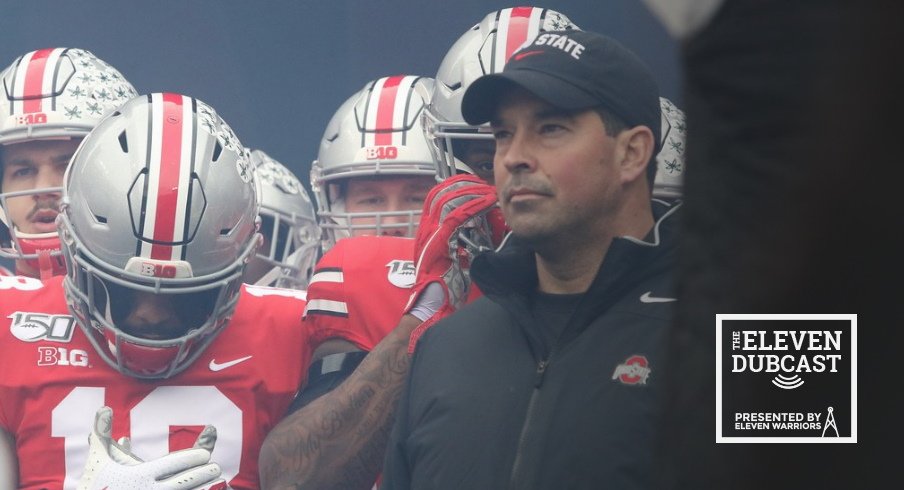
[289,226]
[159,199]
[482,50]
[670,160]
[51,93]
[376,132]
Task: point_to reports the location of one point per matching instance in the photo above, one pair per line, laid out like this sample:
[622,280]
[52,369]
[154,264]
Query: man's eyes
[23,172]
[551,128]
[369,200]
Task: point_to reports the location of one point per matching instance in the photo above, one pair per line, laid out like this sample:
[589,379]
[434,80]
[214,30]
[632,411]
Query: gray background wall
[276,70]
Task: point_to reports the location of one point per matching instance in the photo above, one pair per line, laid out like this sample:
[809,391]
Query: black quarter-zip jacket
[490,404]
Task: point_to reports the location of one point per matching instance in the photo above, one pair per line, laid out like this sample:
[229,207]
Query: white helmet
[482,50]
[376,132]
[52,93]
[160,198]
[670,160]
[289,225]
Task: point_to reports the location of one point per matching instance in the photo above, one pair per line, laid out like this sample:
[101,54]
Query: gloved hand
[460,219]
[111,464]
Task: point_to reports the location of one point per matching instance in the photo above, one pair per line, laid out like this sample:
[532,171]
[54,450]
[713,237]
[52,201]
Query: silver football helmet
[670,160]
[51,93]
[482,50]
[376,132]
[289,227]
[159,199]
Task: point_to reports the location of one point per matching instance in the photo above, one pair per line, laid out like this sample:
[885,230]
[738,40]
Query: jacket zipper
[528,420]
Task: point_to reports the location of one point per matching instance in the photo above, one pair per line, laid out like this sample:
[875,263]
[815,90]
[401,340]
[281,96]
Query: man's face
[389,194]
[159,316]
[477,154]
[35,165]
[555,171]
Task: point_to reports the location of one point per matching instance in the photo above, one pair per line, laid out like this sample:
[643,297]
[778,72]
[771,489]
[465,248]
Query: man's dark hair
[615,125]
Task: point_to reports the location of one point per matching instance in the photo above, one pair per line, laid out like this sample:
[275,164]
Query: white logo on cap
[562,42]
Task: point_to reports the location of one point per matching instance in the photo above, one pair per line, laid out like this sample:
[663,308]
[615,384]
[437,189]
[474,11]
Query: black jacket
[489,405]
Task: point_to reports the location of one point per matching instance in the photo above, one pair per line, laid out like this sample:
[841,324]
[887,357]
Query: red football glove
[460,219]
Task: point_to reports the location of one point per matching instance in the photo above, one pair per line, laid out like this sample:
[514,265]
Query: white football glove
[111,464]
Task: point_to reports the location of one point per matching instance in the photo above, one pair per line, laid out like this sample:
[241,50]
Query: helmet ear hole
[123,141]
[217,149]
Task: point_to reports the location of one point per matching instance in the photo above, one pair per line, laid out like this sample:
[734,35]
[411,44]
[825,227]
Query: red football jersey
[359,289]
[52,382]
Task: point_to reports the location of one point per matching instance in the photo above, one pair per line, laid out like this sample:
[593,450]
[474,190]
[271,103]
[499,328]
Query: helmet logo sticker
[381,152]
[34,118]
[243,167]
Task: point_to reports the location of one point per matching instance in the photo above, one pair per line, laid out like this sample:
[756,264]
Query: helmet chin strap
[40,252]
[45,264]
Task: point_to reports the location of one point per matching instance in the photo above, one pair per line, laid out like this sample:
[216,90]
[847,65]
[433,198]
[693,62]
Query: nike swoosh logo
[646,298]
[214,366]
[525,54]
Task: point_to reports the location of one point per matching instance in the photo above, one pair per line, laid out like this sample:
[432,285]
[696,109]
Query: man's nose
[150,310]
[517,155]
[399,223]
[48,182]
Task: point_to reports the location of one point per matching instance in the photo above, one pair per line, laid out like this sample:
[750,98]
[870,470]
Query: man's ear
[635,148]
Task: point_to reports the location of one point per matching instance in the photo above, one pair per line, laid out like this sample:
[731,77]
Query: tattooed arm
[339,440]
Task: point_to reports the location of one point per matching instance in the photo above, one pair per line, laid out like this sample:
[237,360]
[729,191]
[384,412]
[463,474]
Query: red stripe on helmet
[519,24]
[386,110]
[168,183]
[33,88]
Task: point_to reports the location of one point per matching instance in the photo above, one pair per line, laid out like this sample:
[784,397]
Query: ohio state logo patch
[634,371]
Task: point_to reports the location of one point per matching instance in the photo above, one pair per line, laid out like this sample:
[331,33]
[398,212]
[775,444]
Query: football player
[159,217]
[289,226]
[51,100]
[371,176]
[372,173]
[335,433]
[483,49]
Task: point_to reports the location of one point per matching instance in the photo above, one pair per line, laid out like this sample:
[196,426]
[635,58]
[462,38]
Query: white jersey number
[20,283]
[151,420]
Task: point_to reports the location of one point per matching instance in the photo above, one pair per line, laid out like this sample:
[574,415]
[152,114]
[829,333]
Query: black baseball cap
[573,70]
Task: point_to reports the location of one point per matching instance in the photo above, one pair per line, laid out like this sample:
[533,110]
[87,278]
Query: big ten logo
[157,270]
[35,118]
[61,356]
[381,152]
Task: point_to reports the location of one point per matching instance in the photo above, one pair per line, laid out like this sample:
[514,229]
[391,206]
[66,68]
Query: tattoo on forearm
[339,440]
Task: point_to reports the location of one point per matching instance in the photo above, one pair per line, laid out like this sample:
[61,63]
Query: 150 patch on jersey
[401,273]
[34,327]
